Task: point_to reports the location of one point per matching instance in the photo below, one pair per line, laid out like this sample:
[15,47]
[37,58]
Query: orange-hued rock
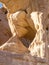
[14,45]
[21,24]
[15,5]
[5,32]
[40,17]
[29,24]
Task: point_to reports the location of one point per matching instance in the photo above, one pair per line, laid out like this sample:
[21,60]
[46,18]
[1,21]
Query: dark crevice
[0,19]
[6,12]
[46,28]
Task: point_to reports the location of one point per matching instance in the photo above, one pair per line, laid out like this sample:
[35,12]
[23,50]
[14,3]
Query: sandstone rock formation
[16,5]
[14,45]
[20,26]
[34,17]
[39,46]
[5,32]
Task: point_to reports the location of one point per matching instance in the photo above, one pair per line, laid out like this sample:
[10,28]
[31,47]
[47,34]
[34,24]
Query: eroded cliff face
[16,5]
[23,32]
[41,42]
[29,25]
[5,32]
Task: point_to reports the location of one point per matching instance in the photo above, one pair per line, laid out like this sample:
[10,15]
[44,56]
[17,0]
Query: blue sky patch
[1,5]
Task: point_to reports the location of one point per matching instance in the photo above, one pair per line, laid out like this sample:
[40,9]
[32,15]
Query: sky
[0,4]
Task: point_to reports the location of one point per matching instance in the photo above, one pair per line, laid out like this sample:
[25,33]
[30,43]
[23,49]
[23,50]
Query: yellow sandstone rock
[21,26]
[15,5]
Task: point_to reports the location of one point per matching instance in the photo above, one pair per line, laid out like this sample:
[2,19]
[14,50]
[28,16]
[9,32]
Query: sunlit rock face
[16,5]
[39,46]
[5,33]
[14,44]
[23,32]
[30,22]
[22,25]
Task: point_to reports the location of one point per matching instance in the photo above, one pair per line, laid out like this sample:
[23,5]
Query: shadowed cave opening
[29,37]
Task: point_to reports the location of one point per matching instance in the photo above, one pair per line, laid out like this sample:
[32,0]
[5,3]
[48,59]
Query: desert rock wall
[32,15]
[5,32]
[16,5]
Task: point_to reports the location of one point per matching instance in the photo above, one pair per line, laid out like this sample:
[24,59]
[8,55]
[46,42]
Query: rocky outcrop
[39,46]
[16,5]
[21,24]
[29,24]
[14,45]
[22,32]
[5,32]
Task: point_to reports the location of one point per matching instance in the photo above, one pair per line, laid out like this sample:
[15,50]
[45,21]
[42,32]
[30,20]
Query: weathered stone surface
[5,33]
[8,58]
[16,5]
[14,45]
[39,21]
[21,24]
[39,46]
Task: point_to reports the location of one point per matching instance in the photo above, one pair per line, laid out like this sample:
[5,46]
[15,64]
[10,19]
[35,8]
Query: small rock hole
[6,12]
[47,28]
[0,19]
[25,11]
